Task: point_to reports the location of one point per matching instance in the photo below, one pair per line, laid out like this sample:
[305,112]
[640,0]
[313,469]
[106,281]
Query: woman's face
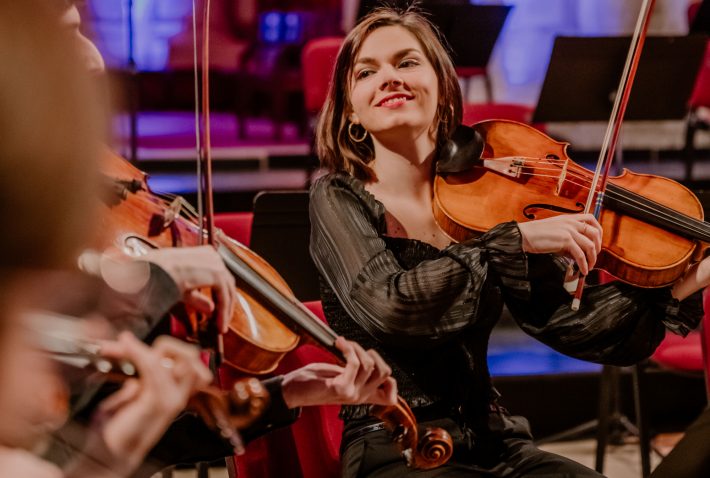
[92,59]
[393,86]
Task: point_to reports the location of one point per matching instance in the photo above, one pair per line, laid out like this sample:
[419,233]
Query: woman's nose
[93,60]
[391,79]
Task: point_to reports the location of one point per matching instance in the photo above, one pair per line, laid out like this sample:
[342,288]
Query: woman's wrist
[695,278]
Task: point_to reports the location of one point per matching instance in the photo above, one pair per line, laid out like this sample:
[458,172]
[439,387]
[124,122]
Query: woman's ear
[353,118]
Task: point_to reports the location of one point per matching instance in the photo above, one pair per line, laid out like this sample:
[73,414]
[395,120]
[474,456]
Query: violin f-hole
[551,207]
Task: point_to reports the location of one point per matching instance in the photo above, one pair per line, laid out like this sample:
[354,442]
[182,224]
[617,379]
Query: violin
[226,411]
[653,227]
[269,320]
[139,219]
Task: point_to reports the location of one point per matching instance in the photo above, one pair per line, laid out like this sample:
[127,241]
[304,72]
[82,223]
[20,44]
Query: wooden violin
[653,227]
[139,219]
[226,411]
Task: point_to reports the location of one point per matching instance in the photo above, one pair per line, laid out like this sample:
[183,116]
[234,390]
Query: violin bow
[606,155]
[204,151]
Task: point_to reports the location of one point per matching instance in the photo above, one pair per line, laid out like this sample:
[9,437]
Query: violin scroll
[236,408]
[431,450]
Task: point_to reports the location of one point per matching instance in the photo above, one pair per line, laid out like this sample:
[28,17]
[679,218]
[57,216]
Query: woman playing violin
[393,280]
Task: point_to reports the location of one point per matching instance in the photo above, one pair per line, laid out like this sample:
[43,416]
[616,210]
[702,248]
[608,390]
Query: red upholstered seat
[679,353]
[476,112]
[317,433]
[699,102]
[687,354]
[310,448]
[236,225]
[317,60]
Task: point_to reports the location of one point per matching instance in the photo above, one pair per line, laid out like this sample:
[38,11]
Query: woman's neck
[405,166]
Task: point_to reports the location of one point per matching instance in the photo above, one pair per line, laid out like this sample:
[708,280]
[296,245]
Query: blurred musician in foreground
[51,130]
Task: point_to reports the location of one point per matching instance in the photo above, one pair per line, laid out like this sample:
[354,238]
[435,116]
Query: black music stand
[580,85]
[470,30]
[584,72]
[281,234]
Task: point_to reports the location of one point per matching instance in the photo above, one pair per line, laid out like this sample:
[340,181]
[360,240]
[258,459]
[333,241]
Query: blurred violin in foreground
[227,411]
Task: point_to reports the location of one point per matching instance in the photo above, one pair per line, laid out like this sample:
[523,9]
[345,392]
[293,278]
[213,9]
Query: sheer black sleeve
[617,323]
[407,306]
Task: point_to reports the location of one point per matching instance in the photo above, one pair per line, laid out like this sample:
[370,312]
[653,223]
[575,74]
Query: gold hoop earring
[352,136]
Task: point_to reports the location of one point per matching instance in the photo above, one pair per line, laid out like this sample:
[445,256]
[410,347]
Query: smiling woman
[417,48]
[394,281]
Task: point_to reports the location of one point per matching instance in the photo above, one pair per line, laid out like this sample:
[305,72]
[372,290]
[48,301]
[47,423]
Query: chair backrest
[705,339]
[701,90]
[236,225]
[317,61]
[281,234]
[475,112]
[318,431]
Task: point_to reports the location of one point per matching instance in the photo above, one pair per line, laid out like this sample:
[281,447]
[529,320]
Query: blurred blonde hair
[336,150]
[50,129]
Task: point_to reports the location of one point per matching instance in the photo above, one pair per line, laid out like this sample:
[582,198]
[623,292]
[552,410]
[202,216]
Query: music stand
[280,233]
[583,75]
[580,85]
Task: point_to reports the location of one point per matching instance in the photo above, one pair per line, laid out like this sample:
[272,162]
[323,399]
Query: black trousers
[510,452]
[691,456]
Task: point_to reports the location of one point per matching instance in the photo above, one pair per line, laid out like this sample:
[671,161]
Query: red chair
[317,62]
[317,433]
[236,225]
[699,100]
[465,73]
[476,112]
[310,448]
[689,354]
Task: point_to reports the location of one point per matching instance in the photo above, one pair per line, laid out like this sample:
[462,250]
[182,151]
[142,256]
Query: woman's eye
[408,63]
[363,74]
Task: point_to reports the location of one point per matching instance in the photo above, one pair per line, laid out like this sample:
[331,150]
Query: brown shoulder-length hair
[336,150]
[51,125]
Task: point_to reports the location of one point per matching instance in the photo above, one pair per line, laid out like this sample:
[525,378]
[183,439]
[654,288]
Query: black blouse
[430,312]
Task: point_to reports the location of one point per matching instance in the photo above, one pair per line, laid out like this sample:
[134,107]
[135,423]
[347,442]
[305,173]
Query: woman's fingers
[367,366]
[127,393]
[188,368]
[385,394]
[578,236]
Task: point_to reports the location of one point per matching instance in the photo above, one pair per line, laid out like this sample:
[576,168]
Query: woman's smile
[394,100]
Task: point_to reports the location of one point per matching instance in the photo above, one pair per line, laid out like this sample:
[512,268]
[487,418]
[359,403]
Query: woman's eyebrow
[396,56]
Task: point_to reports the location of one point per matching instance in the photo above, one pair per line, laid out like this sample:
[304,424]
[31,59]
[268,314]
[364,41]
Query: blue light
[270,27]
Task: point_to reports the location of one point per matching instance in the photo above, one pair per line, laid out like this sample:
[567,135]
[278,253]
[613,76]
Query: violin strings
[623,196]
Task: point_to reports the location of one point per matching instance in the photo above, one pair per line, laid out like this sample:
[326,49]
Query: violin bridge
[172,212]
[562,178]
[512,167]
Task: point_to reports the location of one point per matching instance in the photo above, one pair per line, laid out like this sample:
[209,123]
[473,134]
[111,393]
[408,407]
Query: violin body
[138,220]
[653,227]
